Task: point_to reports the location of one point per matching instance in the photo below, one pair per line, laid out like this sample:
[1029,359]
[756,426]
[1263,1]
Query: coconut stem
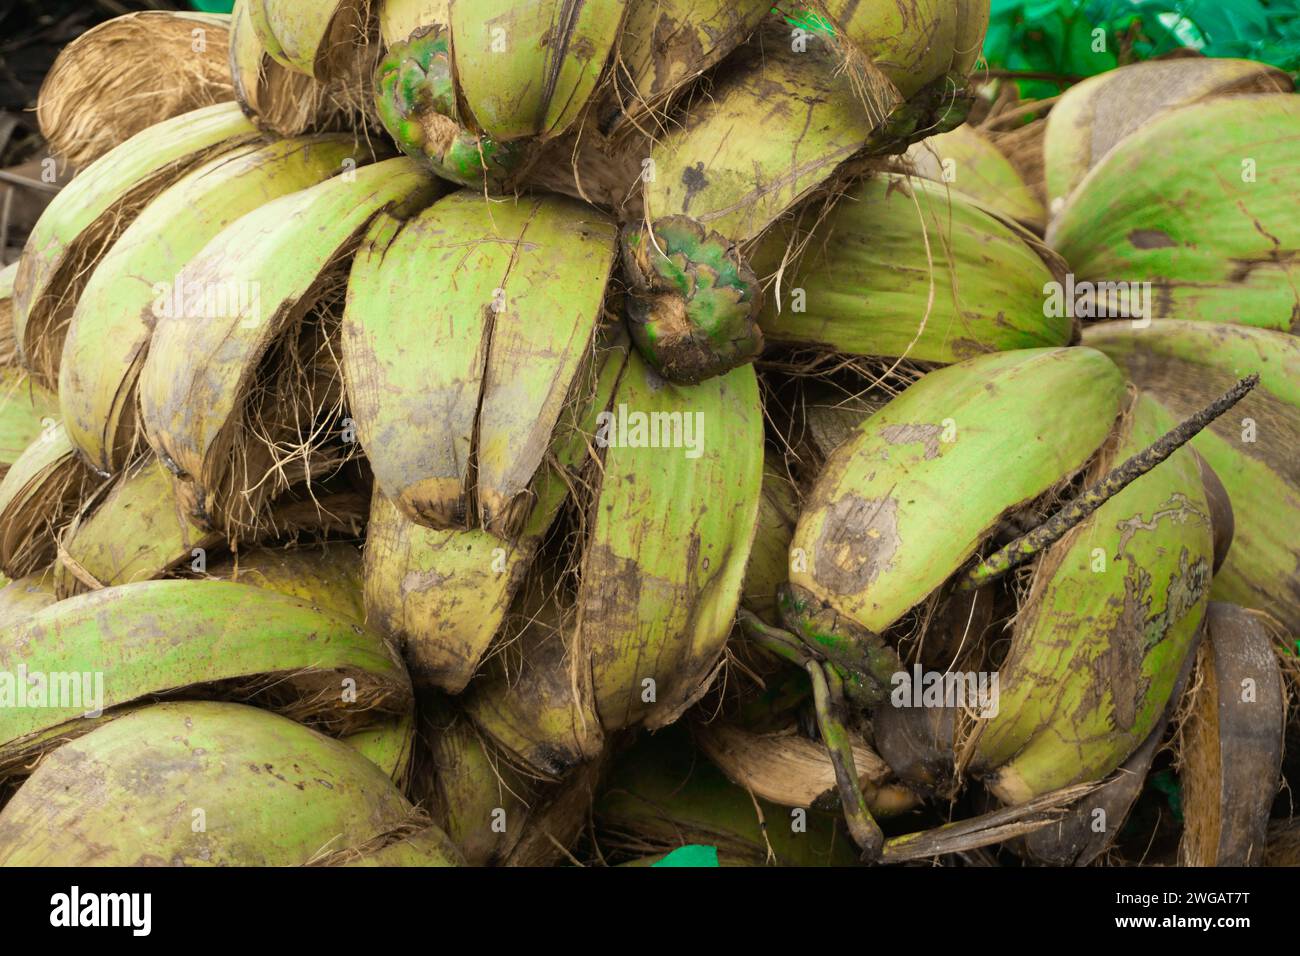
[828,701]
[1116,480]
[780,642]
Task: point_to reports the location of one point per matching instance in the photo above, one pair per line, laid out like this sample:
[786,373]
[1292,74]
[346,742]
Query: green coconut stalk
[136,281]
[26,410]
[665,46]
[85,218]
[977,439]
[1200,231]
[518,291]
[910,268]
[232,402]
[526,70]
[662,794]
[670,535]
[328,576]
[969,161]
[39,495]
[120,645]
[1231,742]
[1096,114]
[1124,592]
[1252,451]
[229,785]
[135,532]
[717,184]
[129,73]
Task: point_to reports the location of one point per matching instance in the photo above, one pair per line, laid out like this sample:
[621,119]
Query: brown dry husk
[286,434]
[128,74]
[289,103]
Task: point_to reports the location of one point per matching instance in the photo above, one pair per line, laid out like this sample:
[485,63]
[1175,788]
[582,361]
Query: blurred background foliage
[1056,42]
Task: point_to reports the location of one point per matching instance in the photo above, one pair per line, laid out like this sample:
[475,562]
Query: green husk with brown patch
[1206,226]
[176,637]
[518,293]
[268,791]
[1124,591]
[976,440]
[1093,116]
[1252,451]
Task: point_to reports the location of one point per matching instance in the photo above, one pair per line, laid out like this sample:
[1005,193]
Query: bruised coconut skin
[898,509]
[416,100]
[160,636]
[694,300]
[1074,840]
[273,793]
[1095,654]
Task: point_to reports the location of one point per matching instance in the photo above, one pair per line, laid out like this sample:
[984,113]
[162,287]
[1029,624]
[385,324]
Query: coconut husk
[25,596]
[132,529]
[41,493]
[327,574]
[495,812]
[1231,743]
[26,412]
[196,639]
[282,100]
[1023,148]
[1093,825]
[973,164]
[792,770]
[316,797]
[1093,116]
[1283,843]
[129,73]
[8,344]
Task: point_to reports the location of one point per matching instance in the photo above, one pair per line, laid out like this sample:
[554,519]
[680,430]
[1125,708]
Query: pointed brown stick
[1054,528]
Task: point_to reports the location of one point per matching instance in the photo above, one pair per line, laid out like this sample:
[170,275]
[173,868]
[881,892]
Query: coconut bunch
[489,384]
[632,107]
[897,563]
